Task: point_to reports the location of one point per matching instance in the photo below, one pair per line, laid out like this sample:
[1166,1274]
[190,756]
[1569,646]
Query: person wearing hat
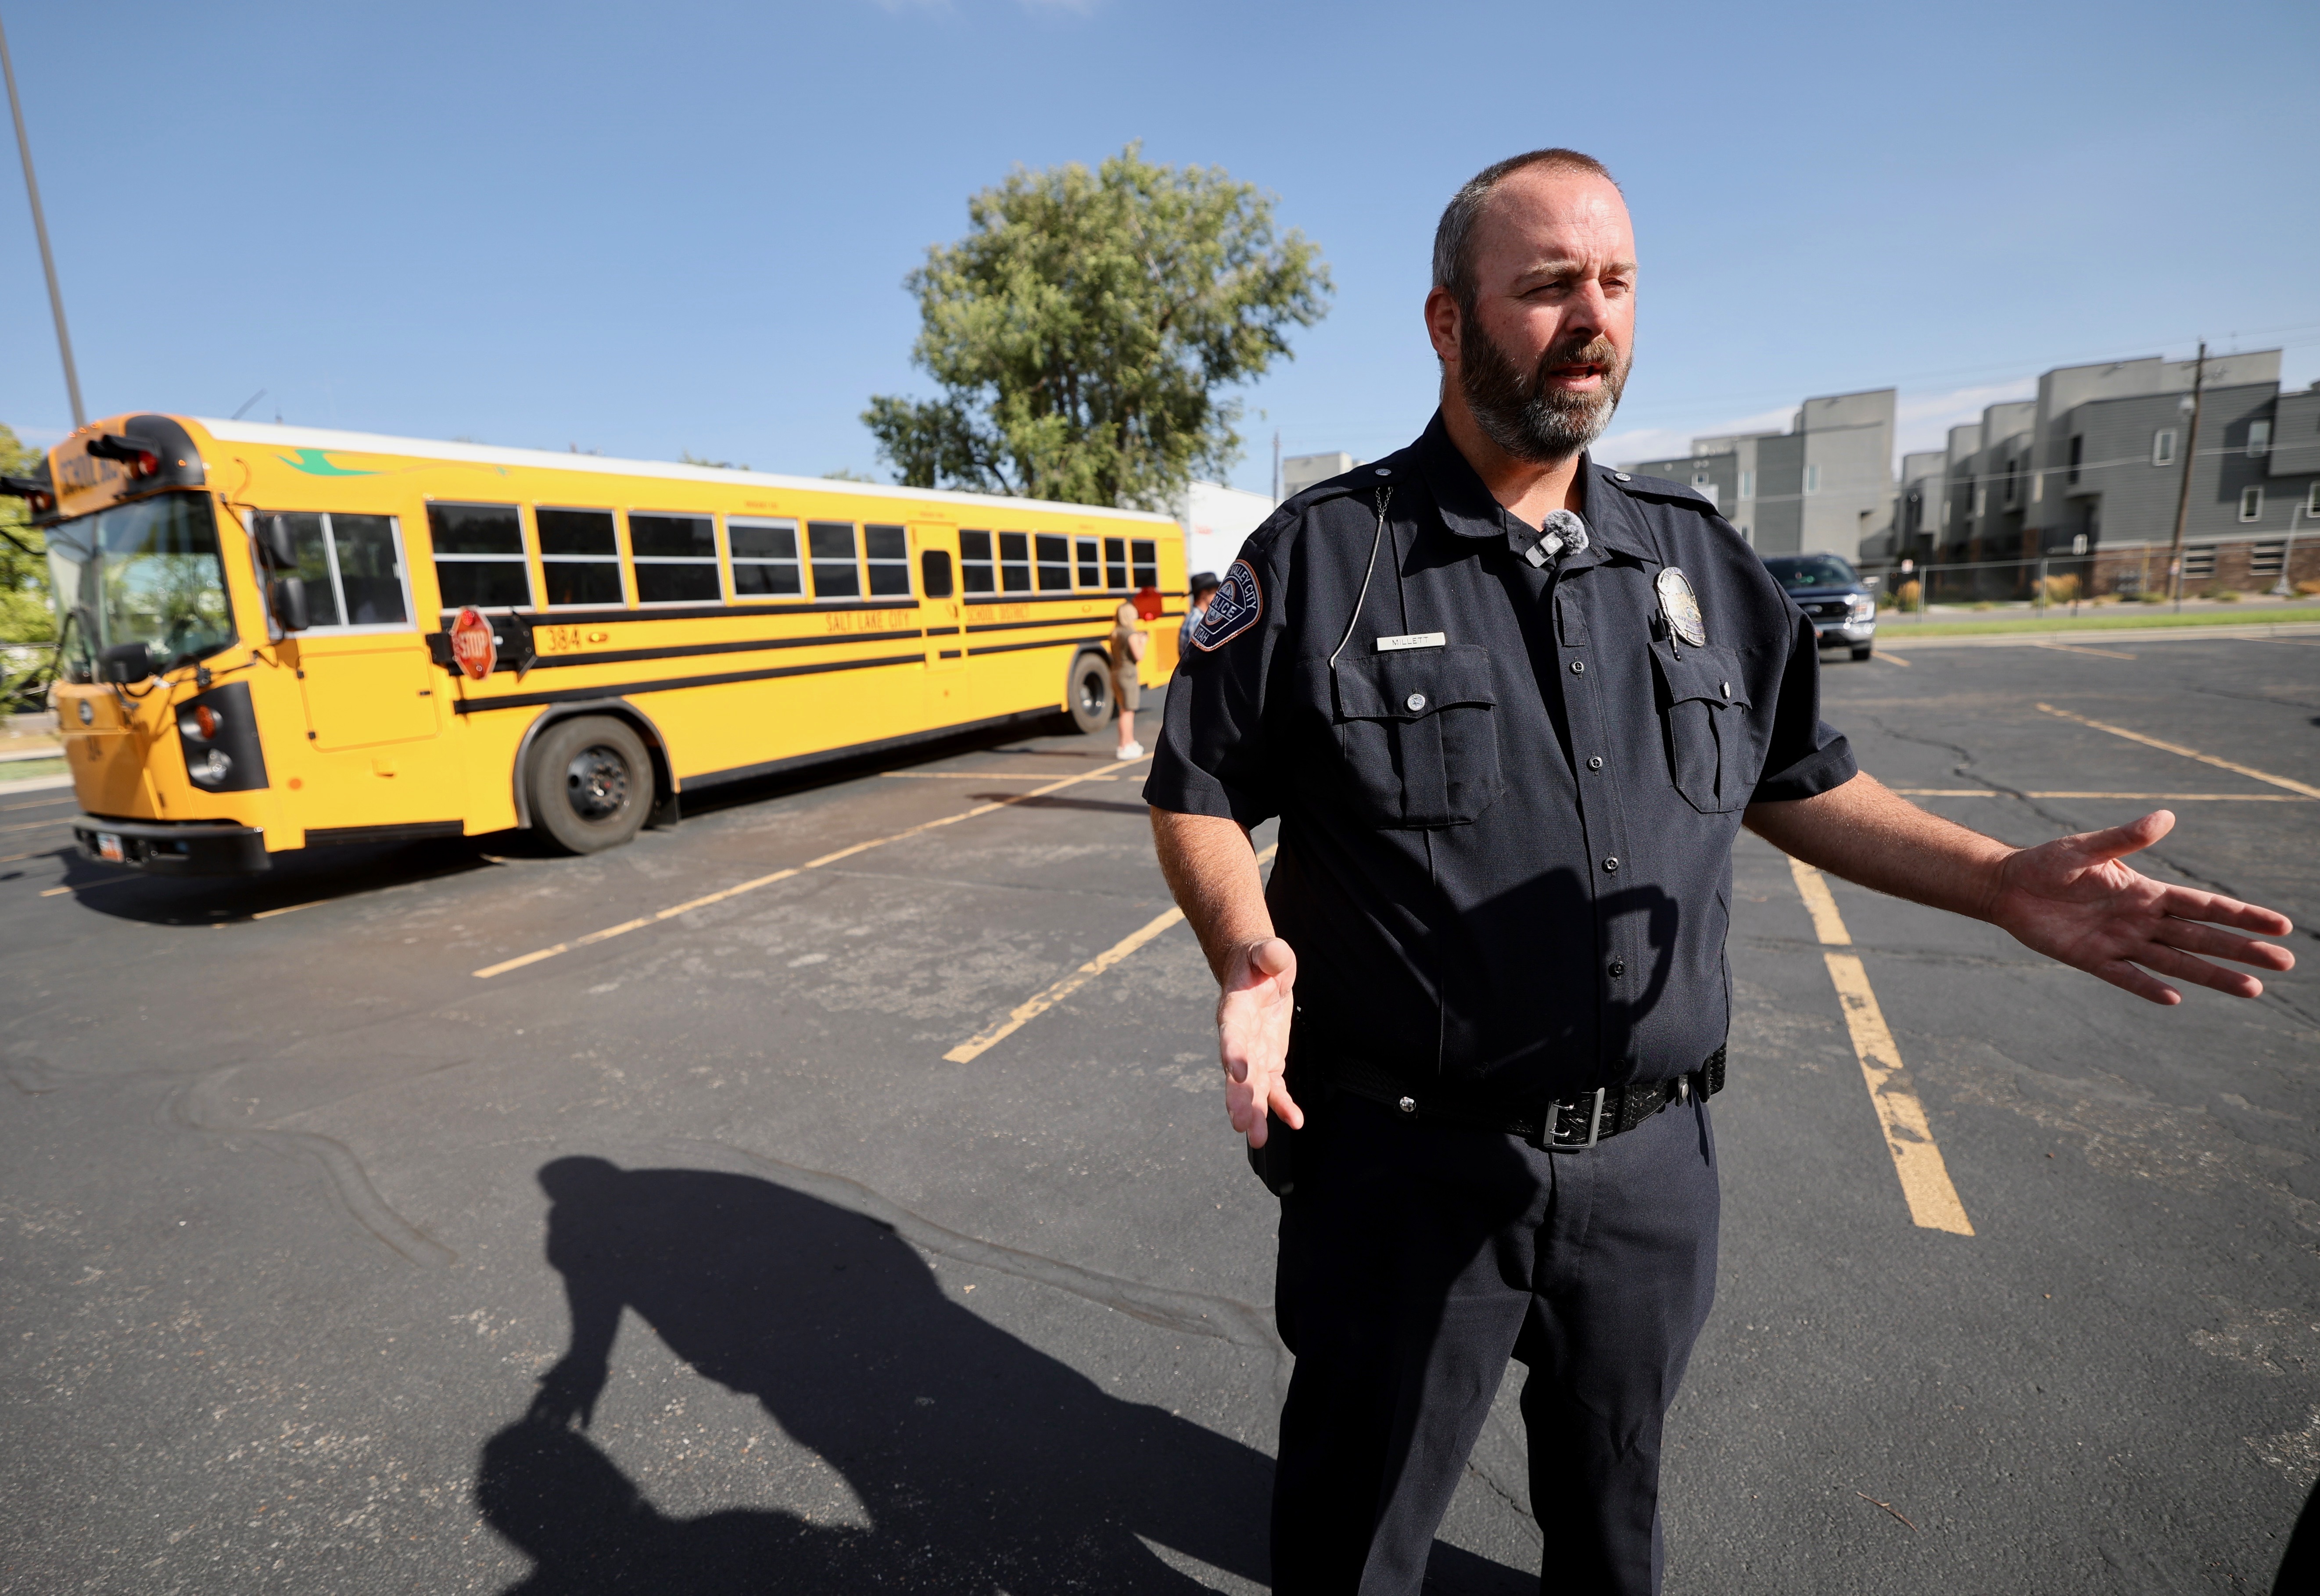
[1204,586]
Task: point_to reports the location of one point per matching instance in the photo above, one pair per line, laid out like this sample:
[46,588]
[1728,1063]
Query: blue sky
[643,230]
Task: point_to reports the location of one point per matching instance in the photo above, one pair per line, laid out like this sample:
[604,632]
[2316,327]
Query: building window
[1015,562]
[579,558]
[1980,500]
[1115,561]
[675,558]
[886,555]
[480,555]
[2250,504]
[1812,479]
[2013,483]
[1146,554]
[976,573]
[1055,563]
[2258,439]
[352,566]
[2198,563]
[766,563]
[1747,484]
[2078,456]
[2312,502]
[832,546]
[2162,446]
[1091,562]
[1747,536]
[2264,558]
[1699,478]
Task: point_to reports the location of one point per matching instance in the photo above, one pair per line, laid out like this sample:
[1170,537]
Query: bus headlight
[211,769]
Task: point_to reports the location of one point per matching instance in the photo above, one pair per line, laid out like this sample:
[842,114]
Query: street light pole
[41,230]
[2190,458]
[2285,588]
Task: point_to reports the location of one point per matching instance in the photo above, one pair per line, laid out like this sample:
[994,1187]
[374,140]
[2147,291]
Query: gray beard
[1528,419]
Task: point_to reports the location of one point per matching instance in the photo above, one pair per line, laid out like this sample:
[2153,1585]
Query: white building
[1216,520]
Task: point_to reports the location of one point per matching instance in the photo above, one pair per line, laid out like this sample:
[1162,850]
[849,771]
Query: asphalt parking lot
[832,1194]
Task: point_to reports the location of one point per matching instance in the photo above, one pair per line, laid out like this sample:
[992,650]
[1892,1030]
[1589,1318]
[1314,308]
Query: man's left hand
[2074,900]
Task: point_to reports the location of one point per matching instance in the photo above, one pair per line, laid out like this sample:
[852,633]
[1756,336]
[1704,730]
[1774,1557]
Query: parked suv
[1844,610]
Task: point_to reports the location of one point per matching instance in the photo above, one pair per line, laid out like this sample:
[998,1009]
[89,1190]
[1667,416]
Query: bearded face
[1529,414]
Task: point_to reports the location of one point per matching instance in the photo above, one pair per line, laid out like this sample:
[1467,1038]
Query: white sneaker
[1131,751]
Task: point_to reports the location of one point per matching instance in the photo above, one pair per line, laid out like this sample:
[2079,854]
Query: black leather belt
[1567,1124]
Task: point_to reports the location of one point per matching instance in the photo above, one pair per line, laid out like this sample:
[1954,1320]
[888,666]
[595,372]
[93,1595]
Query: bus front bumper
[192,848]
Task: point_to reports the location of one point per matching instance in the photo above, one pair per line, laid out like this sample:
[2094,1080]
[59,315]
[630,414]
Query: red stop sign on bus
[472,643]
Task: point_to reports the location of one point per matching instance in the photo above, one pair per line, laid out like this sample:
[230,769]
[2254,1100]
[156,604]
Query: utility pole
[2190,458]
[41,230]
[1276,466]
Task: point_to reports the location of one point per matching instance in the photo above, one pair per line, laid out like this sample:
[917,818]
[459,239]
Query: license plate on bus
[108,847]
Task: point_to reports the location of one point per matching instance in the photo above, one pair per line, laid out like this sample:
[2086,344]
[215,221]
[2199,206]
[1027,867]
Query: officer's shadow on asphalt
[982,1463]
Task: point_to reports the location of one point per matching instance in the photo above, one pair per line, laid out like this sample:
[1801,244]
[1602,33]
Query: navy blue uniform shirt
[1505,851]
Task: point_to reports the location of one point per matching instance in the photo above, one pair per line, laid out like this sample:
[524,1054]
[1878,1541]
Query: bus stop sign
[472,646]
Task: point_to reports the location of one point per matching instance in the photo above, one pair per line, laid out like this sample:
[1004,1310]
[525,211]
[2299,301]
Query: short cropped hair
[1453,237]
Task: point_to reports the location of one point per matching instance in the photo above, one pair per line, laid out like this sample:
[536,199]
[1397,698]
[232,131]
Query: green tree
[1081,330]
[24,613]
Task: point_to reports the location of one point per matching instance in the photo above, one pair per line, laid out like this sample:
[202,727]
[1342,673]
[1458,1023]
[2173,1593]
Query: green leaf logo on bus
[317,463]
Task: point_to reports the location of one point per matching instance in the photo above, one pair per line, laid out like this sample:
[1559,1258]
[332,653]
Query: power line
[40,229]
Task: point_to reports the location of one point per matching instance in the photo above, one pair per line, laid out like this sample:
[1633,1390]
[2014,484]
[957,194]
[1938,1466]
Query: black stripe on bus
[596,614]
[672,684]
[1036,643]
[621,656]
[1069,620]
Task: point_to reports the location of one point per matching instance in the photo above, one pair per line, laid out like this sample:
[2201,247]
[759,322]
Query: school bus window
[765,559]
[835,574]
[1014,562]
[1090,568]
[886,552]
[934,572]
[677,558]
[350,566]
[975,566]
[1147,563]
[579,558]
[480,555]
[1115,561]
[1055,563]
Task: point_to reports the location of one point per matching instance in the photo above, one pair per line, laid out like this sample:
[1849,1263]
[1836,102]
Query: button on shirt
[1505,851]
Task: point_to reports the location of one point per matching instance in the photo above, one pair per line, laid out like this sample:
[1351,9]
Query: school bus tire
[1087,693]
[590,782]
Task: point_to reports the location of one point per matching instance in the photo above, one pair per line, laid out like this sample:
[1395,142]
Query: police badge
[1233,609]
[1681,607]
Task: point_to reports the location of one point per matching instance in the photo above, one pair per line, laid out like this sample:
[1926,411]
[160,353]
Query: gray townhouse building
[1824,485]
[2086,476]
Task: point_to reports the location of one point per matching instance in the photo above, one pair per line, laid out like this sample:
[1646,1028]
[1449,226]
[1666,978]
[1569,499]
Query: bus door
[941,611]
[371,694]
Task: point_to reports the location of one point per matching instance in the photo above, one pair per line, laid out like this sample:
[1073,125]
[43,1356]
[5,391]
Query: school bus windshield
[147,572]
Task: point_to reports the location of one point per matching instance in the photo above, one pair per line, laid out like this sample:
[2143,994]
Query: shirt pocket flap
[1412,685]
[1711,673]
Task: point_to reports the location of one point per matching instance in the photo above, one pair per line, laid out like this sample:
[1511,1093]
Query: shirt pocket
[1418,736]
[1704,724]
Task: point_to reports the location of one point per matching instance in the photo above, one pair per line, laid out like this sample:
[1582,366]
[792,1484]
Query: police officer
[1512,707]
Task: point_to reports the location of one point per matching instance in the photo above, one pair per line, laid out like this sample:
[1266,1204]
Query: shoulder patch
[1233,609]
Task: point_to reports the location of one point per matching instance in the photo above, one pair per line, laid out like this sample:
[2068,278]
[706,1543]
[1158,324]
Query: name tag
[1412,640]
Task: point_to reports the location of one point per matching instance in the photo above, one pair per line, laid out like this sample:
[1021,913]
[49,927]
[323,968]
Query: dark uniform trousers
[1416,1259]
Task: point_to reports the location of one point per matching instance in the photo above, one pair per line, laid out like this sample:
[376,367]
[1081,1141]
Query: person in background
[1127,642]
[1204,587]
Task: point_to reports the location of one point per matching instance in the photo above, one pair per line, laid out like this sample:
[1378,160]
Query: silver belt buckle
[1555,1132]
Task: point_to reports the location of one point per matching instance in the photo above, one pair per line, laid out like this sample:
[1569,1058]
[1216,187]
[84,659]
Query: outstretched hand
[2074,900]
[1253,1014]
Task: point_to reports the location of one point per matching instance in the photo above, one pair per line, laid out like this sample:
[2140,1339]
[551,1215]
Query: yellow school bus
[276,638]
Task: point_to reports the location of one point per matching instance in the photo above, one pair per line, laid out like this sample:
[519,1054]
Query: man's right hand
[1252,1013]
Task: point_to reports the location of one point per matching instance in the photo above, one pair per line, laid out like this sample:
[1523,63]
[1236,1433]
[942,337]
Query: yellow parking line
[641,921]
[1890,659]
[37,804]
[1023,1013]
[2205,758]
[35,824]
[1926,1185]
[2158,798]
[2108,653]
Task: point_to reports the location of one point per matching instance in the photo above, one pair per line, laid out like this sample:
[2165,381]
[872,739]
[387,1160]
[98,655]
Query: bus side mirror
[274,550]
[288,595]
[126,662]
